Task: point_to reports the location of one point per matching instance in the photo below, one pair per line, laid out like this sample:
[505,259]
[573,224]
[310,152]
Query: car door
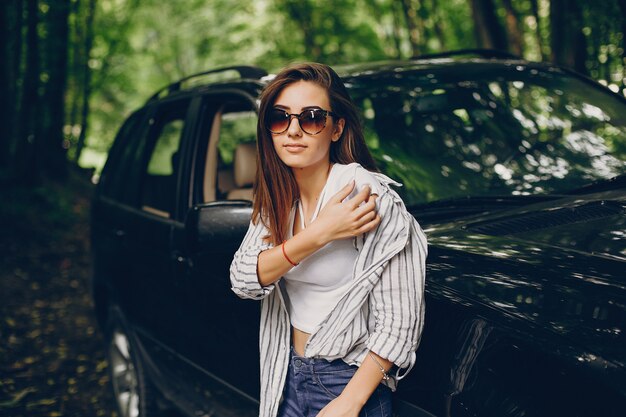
[220,341]
[147,289]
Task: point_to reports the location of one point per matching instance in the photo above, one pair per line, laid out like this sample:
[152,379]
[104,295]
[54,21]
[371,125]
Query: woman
[332,253]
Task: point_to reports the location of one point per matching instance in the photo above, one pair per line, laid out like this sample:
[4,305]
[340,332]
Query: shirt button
[298,363]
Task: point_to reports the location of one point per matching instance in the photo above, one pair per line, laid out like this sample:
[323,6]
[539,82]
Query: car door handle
[179,258]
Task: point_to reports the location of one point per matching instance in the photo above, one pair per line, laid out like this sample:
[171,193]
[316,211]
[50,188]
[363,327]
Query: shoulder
[379,183]
[343,174]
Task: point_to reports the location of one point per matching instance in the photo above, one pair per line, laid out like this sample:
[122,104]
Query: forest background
[73,69]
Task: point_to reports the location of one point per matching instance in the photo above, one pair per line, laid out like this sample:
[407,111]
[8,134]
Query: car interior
[230,164]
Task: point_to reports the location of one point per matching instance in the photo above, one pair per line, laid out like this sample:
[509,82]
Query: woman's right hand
[337,220]
[345,219]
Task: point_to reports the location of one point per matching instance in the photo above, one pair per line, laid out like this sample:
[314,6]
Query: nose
[294,128]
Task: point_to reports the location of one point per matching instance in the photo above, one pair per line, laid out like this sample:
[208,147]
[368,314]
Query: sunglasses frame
[325,113]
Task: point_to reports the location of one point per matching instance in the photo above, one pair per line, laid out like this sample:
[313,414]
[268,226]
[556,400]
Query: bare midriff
[299,339]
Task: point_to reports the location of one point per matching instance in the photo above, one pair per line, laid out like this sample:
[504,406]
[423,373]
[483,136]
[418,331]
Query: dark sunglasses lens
[312,121]
[277,121]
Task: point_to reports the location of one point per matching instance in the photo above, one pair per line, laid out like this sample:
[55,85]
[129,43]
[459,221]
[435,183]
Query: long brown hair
[275,188]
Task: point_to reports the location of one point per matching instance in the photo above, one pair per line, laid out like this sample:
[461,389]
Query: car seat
[244,162]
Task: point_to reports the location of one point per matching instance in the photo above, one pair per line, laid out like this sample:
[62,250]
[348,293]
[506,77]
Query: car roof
[395,66]
[256,76]
[251,79]
[248,80]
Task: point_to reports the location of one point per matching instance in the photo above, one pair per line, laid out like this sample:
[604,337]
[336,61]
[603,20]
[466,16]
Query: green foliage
[140,46]
[236,128]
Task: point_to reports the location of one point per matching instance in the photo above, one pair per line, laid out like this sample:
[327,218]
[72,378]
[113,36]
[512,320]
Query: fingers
[361,196]
[369,206]
[344,192]
[358,213]
[369,226]
[366,218]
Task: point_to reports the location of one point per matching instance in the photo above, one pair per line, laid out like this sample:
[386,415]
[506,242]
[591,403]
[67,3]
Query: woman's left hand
[340,407]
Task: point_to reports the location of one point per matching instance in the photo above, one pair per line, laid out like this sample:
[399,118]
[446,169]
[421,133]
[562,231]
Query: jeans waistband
[317,365]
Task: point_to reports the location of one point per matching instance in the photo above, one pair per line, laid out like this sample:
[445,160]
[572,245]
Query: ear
[338,129]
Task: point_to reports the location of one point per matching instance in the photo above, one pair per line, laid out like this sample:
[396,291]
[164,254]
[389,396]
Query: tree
[25,167]
[489,32]
[567,41]
[622,6]
[120,52]
[412,22]
[10,55]
[86,78]
[53,144]
[537,33]
[516,41]
[76,61]
[438,24]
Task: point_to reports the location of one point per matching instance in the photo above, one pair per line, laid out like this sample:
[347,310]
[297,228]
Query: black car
[514,169]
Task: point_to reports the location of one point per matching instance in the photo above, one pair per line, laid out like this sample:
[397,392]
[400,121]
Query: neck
[311,180]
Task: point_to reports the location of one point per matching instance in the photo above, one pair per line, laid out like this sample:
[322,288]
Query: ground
[51,350]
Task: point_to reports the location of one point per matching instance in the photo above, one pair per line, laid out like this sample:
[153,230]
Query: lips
[294,147]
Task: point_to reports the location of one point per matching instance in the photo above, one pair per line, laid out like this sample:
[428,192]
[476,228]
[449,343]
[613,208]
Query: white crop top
[315,286]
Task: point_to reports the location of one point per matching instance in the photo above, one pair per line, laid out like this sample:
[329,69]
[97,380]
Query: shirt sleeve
[243,269]
[396,302]
[363,177]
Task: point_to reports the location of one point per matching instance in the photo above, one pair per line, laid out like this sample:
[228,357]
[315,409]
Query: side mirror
[218,225]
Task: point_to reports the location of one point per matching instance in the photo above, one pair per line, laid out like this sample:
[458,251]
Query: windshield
[481,132]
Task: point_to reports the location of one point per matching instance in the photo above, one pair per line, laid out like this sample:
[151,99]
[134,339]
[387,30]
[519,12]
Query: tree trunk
[579,39]
[595,42]
[11,24]
[538,32]
[557,31]
[425,30]
[438,25]
[25,167]
[410,15]
[86,79]
[622,6]
[5,81]
[516,40]
[567,40]
[396,10]
[488,30]
[76,74]
[54,143]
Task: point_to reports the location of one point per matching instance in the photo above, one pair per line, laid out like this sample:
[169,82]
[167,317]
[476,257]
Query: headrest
[245,164]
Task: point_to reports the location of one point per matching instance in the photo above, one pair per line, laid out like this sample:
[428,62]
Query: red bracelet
[287,257]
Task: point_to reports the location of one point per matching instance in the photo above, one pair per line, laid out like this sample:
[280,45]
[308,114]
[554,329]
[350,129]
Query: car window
[114,179]
[160,172]
[506,132]
[229,123]
[237,128]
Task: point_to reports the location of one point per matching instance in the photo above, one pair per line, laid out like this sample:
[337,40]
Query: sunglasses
[311,121]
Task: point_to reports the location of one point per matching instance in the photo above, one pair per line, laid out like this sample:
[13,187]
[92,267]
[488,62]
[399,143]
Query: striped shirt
[382,311]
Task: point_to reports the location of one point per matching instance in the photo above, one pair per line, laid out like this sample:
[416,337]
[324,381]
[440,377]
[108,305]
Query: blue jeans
[313,383]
